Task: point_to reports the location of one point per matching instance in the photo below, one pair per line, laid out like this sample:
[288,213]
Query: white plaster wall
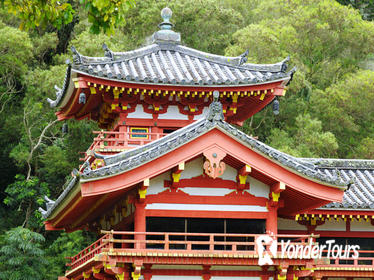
[287,224]
[207,191]
[229,174]
[234,278]
[172,114]
[236,267]
[139,113]
[192,168]
[156,185]
[258,188]
[333,225]
[361,226]
[172,277]
[186,267]
[206,207]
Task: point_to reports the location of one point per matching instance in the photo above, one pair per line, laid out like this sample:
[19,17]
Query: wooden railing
[113,141]
[89,252]
[366,258]
[123,241]
[206,243]
[116,139]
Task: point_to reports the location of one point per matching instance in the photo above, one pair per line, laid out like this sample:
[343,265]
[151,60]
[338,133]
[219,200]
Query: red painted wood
[181,197]
[271,221]
[300,192]
[197,147]
[206,214]
[332,233]
[107,82]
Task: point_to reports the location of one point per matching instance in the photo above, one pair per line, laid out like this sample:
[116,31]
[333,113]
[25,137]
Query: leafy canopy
[21,255]
[104,15]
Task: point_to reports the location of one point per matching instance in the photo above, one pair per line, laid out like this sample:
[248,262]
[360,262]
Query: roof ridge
[341,163]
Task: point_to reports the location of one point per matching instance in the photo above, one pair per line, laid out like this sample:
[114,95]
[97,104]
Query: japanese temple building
[175,191]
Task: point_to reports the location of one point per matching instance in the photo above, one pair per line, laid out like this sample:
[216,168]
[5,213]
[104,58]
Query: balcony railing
[204,245]
[135,242]
[115,141]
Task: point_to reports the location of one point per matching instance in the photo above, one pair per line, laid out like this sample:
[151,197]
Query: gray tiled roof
[167,62]
[358,174]
[174,64]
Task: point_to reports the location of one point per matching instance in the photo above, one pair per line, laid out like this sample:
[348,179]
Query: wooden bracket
[278,187]
[242,176]
[143,189]
[176,173]
[276,190]
[137,269]
[86,275]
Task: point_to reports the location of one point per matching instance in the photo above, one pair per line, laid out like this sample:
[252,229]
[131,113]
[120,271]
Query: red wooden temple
[177,192]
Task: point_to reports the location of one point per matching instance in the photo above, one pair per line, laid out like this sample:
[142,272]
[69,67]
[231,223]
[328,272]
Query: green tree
[345,108]
[65,246]
[200,22]
[104,15]
[22,256]
[306,139]
[25,195]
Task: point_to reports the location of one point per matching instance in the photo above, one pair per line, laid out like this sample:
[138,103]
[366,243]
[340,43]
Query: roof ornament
[166,14]
[166,34]
[243,57]
[108,52]
[291,73]
[49,202]
[284,64]
[77,57]
[215,113]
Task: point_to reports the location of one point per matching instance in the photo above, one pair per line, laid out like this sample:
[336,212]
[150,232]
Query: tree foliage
[104,15]
[22,256]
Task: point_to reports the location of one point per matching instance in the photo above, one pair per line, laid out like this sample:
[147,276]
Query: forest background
[328,110]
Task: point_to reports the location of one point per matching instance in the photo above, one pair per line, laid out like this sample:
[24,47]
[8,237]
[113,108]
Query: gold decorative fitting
[275,196]
[242,179]
[93,90]
[176,177]
[121,276]
[235,98]
[95,270]
[116,93]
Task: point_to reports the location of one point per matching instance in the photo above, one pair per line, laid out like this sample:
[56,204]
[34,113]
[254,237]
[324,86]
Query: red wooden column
[271,221]
[273,204]
[139,223]
[139,215]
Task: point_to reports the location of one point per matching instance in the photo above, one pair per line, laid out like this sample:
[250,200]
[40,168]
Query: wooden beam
[278,187]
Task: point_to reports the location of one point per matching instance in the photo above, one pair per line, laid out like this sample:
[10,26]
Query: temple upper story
[144,94]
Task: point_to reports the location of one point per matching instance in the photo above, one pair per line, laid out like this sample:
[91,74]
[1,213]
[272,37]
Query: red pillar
[271,221]
[139,223]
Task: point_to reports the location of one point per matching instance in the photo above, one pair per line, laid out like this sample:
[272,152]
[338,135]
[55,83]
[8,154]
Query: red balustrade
[123,241]
[89,252]
[205,243]
[115,141]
